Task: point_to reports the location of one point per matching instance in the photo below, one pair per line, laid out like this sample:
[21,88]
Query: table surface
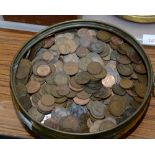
[10,125]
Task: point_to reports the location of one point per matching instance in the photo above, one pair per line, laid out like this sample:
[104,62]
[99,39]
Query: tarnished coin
[104,35]
[71,68]
[92,32]
[32,86]
[23,69]
[126,83]
[97,109]
[71,57]
[108,81]
[48,42]
[140,68]
[116,41]
[69,35]
[35,114]
[52,123]
[140,89]
[21,89]
[47,100]
[61,78]
[63,90]
[69,124]
[94,68]
[138,99]
[89,122]
[95,127]
[82,51]
[83,95]
[123,59]
[83,32]
[106,124]
[60,99]
[118,90]
[134,76]
[74,85]
[125,48]
[71,94]
[47,56]
[101,75]
[82,77]
[25,102]
[43,70]
[59,66]
[81,101]
[125,70]
[83,63]
[117,105]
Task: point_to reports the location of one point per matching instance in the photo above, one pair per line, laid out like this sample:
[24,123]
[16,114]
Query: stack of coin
[82,80]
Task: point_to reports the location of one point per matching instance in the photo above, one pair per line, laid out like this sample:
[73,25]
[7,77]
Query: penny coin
[69,35]
[140,89]
[117,106]
[81,101]
[106,124]
[48,42]
[83,32]
[138,99]
[47,56]
[63,49]
[63,90]
[82,51]
[43,70]
[35,114]
[116,40]
[83,63]
[21,89]
[71,68]
[25,102]
[108,81]
[123,59]
[71,94]
[60,99]
[92,32]
[95,127]
[89,122]
[140,68]
[69,124]
[71,44]
[125,48]
[131,92]
[82,77]
[44,109]
[101,75]
[126,83]
[61,78]
[83,95]
[125,70]
[118,90]
[71,57]
[94,68]
[52,123]
[104,35]
[32,86]
[47,100]
[134,76]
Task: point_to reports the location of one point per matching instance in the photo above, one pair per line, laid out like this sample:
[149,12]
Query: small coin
[131,92]
[123,59]
[104,35]
[138,99]
[82,77]
[89,122]
[95,127]
[47,100]
[125,48]
[52,123]
[69,124]
[60,99]
[25,102]
[32,86]
[63,90]
[140,89]
[71,94]
[21,89]
[82,51]
[116,41]
[101,75]
[118,90]
[140,68]
[81,101]
[71,68]
[92,32]
[126,83]
[61,78]
[83,32]
[47,56]
[117,105]
[125,70]
[43,70]
[35,114]
[83,63]
[69,35]
[94,68]
[48,42]
[108,81]
[83,95]
[134,76]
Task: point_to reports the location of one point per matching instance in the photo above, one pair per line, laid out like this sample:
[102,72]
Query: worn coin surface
[32,86]
[126,83]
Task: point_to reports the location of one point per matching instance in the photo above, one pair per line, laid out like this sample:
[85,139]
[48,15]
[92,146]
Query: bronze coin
[101,75]
[140,89]
[63,90]
[94,68]
[47,56]
[104,35]
[83,95]
[140,68]
[123,59]
[138,99]
[32,86]
[43,70]
[125,70]
[126,83]
[47,100]
[60,99]
[61,78]
[116,40]
[82,51]
[52,123]
[125,48]
[71,94]
[48,42]
[73,83]
[118,90]
[82,77]
[81,101]
[106,124]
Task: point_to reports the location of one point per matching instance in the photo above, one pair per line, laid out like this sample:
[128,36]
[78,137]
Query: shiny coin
[108,81]
[118,90]
[81,101]
[61,78]
[82,51]
[32,86]
[140,68]
[125,70]
[47,100]
[126,83]
[94,68]
[35,114]
[43,70]
[140,89]
[82,77]
[104,36]
[71,68]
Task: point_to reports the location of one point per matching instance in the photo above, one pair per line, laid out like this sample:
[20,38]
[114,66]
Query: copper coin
[82,77]
[81,101]
[104,35]
[116,40]
[63,90]
[126,83]
[140,89]
[83,95]
[60,99]
[52,123]
[73,83]
[47,56]
[83,63]
[71,94]
[47,100]
[118,90]
[94,68]
[101,75]
[32,86]
[108,81]
[123,59]
[43,70]
[140,68]
[125,70]
[106,124]
[71,68]
[48,42]
[125,48]
[61,78]
[138,99]
[82,51]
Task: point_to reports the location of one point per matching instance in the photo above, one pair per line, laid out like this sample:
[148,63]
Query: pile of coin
[82,81]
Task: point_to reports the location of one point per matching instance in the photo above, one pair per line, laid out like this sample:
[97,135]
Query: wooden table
[10,125]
